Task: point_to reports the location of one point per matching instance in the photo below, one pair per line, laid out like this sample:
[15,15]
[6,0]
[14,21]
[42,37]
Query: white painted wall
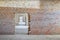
[21,4]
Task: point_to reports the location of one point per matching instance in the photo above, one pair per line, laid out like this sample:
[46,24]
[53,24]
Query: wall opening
[21,23]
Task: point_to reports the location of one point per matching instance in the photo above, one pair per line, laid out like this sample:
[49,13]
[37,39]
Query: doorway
[21,23]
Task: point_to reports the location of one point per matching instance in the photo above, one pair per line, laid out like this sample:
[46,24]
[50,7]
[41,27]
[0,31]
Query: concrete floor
[29,37]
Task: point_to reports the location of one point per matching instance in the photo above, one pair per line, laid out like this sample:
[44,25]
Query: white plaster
[21,4]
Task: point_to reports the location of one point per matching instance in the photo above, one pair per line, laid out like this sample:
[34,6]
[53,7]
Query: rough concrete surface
[29,37]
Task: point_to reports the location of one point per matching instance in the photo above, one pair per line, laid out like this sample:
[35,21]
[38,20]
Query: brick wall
[7,15]
[45,20]
[6,21]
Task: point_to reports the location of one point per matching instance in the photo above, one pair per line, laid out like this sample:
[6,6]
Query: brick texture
[45,20]
[6,21]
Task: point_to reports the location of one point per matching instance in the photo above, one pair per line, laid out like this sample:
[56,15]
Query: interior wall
[7,15]
[42,21]
[51,20]
[20,4]
[7,20]
[8,10]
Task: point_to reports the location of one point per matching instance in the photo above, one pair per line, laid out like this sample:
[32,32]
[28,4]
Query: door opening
[21,23]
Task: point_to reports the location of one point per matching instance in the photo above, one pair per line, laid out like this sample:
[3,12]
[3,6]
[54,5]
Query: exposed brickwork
[6,21]
[44,21]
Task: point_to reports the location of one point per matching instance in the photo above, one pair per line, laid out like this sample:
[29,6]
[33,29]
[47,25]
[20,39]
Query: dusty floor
[29,37]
